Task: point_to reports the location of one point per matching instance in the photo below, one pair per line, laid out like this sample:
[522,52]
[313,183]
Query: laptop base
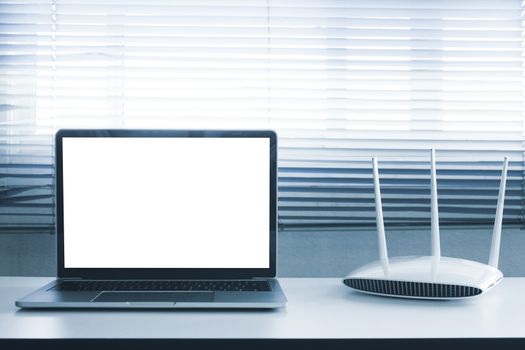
[49,298]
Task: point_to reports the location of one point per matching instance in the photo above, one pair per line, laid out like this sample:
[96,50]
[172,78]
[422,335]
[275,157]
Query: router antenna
[434,219]
[381,239]
[496,233]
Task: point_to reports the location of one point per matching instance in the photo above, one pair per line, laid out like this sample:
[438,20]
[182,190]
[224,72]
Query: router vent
[412,289]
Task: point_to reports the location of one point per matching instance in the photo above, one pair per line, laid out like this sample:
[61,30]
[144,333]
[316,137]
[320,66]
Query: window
[340,81]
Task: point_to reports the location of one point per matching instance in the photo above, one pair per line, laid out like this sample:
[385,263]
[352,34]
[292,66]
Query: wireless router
[429,277]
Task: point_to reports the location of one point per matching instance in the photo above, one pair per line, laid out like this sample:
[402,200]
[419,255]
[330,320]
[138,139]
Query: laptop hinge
[111,279]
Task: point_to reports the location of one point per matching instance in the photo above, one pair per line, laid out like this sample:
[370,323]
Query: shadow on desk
[383,301]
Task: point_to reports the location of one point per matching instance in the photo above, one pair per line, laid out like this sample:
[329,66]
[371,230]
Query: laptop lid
[142,204]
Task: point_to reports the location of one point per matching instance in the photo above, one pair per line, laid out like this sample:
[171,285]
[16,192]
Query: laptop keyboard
[163,285]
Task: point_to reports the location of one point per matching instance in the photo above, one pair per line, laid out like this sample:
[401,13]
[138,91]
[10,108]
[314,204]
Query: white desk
[321,314]
[317,308]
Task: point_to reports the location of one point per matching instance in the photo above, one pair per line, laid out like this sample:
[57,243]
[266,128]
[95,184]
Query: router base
[424,277]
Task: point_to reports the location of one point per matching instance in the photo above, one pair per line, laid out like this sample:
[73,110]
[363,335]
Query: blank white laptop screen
[144,202]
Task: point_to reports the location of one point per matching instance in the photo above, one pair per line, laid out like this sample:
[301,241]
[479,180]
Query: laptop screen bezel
[165,273]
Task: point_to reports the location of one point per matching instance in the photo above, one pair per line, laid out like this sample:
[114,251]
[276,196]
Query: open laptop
[164,219]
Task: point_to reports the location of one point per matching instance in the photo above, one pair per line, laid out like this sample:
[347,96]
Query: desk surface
[317,308]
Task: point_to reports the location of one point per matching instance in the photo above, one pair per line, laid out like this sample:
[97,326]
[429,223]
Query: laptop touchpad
[154,297]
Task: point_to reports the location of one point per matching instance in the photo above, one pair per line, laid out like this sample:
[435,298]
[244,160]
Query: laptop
[164,219]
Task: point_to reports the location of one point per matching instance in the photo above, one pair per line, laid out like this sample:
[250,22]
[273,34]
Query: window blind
[340,81]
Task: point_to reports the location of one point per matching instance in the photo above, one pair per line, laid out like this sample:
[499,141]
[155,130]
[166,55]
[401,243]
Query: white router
[429,277]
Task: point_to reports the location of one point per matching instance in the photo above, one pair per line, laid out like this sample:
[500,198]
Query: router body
[433,276]
[424,277]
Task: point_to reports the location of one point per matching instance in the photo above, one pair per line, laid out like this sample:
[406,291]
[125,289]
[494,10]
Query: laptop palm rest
[154,297]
